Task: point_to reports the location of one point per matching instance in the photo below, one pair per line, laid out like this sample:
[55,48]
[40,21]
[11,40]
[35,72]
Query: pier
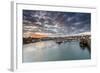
[67,38]
[57,39]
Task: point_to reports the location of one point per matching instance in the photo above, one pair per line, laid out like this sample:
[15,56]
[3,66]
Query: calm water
[51,51]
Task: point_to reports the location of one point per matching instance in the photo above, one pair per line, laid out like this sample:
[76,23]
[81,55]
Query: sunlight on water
[51,51]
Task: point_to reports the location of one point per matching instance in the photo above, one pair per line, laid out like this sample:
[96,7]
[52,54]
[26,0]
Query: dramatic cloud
[56,22]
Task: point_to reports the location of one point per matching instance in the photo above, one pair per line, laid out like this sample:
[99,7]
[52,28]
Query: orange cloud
[39,35]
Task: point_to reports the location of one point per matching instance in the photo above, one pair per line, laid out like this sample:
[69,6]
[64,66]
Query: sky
[56,22]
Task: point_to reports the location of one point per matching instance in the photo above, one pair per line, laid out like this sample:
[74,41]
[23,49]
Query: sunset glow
[39,35]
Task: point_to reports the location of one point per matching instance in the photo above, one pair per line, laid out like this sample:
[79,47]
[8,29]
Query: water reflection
[53,51]
[86,45]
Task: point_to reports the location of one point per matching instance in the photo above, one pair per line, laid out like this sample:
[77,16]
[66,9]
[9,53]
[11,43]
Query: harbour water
[52,51]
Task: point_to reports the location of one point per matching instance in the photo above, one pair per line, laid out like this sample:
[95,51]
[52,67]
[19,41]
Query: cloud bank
[56,22]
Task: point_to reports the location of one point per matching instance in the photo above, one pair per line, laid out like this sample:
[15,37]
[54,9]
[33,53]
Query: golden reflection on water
[39,52]
[39,45]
